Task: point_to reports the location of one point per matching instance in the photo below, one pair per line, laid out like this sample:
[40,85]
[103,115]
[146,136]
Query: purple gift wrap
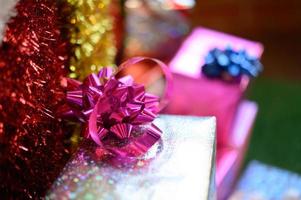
[194,93]
[179,166]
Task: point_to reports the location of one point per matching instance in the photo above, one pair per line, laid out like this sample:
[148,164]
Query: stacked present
[258,182]
[73,126]
[211,72]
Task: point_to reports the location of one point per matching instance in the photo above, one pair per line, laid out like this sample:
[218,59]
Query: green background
[276,138]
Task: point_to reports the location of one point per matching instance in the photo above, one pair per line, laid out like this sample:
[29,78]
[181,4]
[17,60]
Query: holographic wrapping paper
[92,36]
[181,166]
[264,182]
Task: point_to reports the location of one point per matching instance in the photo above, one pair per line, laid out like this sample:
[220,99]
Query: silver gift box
[181,166]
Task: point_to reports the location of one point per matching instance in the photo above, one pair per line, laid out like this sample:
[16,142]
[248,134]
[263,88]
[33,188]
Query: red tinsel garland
[33,60]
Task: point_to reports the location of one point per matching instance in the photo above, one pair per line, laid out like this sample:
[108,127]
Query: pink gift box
[195,94]
[229,158]
[190,57]
[202,97]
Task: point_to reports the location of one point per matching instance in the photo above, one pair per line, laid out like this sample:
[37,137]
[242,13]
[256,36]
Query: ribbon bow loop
[118,112]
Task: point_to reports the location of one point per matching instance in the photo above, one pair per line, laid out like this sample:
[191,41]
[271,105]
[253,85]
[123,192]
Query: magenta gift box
[195,94]
[229,158]
[190,57]
[200,97]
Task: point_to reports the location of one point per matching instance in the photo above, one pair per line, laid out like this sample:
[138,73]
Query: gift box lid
[183,169]
[191,56]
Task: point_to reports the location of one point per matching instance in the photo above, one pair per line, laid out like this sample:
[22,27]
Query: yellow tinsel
[92,37]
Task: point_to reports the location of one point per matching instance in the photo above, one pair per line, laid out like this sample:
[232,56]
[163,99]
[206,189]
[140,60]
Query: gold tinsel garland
[92,37]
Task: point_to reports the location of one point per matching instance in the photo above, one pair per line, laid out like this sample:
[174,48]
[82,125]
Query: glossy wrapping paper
[230,157]
[207,97]
[180,166]
[288,185]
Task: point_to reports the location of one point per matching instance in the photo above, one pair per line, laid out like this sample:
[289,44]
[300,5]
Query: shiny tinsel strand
[92,36]
[33,140]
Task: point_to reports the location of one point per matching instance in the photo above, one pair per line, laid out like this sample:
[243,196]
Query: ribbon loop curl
[118,112]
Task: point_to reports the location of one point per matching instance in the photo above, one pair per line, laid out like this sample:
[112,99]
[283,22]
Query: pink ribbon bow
[118,112]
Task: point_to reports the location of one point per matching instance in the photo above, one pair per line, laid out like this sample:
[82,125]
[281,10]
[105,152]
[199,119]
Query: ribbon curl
[118,112]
